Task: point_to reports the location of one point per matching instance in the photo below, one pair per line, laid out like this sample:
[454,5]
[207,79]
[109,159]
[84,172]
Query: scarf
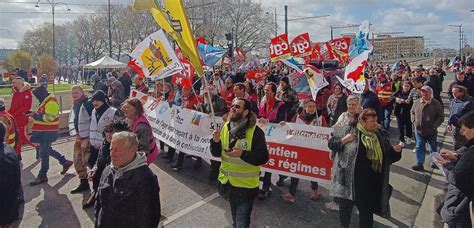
[238,131]
[372,145]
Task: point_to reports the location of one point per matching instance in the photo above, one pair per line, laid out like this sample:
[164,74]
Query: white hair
[129,137]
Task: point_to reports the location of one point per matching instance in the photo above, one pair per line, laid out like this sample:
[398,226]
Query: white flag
[156,56]
[316,80]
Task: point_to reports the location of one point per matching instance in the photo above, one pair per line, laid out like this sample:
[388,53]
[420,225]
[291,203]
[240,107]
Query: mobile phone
[228,150]
[27,112]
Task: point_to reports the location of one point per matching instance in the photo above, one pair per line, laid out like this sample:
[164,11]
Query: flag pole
[206,83]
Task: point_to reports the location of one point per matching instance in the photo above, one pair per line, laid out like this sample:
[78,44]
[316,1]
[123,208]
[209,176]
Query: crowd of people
[114,142]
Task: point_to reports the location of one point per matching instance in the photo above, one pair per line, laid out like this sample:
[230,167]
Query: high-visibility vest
[234,170]
[384,93]
[49,108]
[11,131]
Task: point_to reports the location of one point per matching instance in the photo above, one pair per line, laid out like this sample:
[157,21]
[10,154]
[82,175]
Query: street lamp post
[460,38]
[53,6]
[110,32]
[275,19]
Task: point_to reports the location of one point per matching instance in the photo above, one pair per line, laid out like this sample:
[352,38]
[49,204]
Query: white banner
[157,58]
[295,150]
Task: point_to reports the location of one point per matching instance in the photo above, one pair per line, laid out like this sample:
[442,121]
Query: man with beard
[242,146]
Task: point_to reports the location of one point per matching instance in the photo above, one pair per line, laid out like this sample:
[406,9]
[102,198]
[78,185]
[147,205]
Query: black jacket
[402,109]
[455,207]
[370,100]
[9,185]
[435,82]
[126,82]
[463,172]
[132,201]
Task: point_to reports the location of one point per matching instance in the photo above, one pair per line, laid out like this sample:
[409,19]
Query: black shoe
[83,186]
[434,166]
[176,167]
[90,202]
[39,180]
[418,167]
[66,167]
[263,194]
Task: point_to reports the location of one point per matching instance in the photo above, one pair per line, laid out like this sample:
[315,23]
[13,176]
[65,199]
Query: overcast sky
[428,18]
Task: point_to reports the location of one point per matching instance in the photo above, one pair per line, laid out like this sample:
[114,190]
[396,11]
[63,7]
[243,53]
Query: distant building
[388,47]
[4,53]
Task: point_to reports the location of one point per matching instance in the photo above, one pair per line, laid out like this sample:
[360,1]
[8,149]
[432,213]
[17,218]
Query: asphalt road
[189,200]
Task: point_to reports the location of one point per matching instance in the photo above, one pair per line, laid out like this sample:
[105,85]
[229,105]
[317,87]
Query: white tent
[105,63]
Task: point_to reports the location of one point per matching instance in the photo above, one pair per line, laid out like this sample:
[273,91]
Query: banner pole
[210,99]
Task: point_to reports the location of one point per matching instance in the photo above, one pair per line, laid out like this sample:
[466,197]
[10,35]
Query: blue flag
[395,67]
[210,55]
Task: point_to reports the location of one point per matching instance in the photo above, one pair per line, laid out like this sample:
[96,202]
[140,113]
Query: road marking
[190,208]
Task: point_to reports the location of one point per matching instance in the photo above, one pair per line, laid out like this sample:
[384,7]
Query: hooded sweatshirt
[22,101]
[139,161]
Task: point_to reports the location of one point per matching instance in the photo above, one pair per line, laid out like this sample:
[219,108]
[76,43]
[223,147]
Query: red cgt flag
[339,48]
[316,53]
[256,75]
[279,48]
[301,45]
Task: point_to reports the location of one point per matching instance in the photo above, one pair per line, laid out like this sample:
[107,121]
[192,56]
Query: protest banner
[279,48]
[156,57]
[298,150]
[295,150]
[301,45]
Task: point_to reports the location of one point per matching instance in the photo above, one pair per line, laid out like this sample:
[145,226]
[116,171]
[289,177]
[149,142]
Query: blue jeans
[241,211]
[420,146]
[45,150]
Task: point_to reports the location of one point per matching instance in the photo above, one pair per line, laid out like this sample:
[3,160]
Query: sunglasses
[237,106]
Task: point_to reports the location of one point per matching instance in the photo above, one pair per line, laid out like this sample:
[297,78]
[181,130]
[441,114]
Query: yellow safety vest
[50,110]
[234,170]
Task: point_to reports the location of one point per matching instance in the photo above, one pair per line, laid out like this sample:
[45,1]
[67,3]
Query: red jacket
[21,102]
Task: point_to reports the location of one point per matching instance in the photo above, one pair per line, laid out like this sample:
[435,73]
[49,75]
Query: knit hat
[286,80]
[99,95]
